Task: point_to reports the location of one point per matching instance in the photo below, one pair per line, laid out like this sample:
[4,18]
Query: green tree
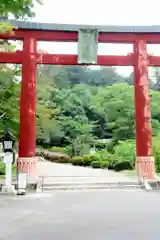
[9,86]
[9,95]
[17,9]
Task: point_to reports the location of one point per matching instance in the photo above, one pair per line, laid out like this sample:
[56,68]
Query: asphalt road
[117,215]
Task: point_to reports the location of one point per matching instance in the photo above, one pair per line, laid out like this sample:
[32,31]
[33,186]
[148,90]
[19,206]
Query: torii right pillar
[144,161]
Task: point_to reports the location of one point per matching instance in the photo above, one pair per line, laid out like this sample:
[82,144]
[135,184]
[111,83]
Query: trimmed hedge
[123,165]
[96,164]
[95,158]
[87,160]
[101,159]
[104,164]
[77,161]
[121,158]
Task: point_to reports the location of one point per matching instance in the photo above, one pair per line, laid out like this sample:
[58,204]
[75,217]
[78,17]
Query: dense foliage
[72,106]
[77,107]
[82,105]
[18,9]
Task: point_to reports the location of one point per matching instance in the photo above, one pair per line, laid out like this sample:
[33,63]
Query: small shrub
[105,158]
[111,145]
[96,164]
[69,150]
[157,161]
[2,169]
[77,161]
[104,164]
[126,150]
[100,145]
[112,161]
[123,165]
[103,154]
[95,158]
[87,160]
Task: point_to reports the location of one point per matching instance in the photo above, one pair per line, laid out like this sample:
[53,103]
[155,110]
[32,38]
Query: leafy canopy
[18,9]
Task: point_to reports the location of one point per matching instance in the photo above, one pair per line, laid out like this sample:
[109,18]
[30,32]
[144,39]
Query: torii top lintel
[69,32]
[75,28]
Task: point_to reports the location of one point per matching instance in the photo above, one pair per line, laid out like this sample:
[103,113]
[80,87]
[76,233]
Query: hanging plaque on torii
[87,46]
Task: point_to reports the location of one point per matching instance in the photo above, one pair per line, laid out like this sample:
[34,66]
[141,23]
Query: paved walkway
[70,172]
[81,216]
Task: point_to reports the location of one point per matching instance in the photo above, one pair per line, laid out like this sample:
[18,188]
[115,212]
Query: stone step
[91,185]
[85,179]
[56,188]
[102,183]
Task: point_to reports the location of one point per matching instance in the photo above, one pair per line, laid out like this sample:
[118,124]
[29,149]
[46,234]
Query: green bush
[68,150]
[112,159]
[103,154]
[126,150]
[96,164]
[2,168]
[156,152]
[100,145]
[123,165]
[87,160]
[157,161]
[104,164]
[77,161]
[110,148]
[95,158]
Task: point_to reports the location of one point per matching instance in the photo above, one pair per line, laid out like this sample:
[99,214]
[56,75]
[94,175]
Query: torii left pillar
[26,162]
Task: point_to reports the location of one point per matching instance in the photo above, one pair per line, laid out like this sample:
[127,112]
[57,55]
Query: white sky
[101,12]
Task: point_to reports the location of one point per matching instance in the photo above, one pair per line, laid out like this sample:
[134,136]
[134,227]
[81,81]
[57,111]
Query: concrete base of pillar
[145,167]
[27,165]
[21,192]
[9,189]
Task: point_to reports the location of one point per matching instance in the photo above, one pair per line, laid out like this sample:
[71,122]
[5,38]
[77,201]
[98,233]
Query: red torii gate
[30,33]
